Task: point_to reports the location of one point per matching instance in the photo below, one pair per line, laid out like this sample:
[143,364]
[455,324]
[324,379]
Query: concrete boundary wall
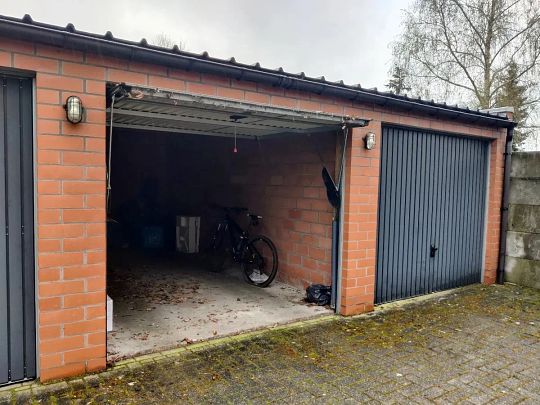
[523,239]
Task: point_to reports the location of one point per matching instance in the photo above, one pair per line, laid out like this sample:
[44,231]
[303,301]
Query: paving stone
[5,397]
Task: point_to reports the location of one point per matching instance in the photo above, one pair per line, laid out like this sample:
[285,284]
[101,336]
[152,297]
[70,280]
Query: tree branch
[466,15]
[509,41]
[507,8]
[460,64]
[444,79]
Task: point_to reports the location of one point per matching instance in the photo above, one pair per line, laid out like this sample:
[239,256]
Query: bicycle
[257,255]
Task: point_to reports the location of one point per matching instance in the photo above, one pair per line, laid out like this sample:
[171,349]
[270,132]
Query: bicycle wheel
[260,261]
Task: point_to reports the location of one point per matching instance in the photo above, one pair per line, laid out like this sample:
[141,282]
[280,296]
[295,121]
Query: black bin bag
[319,294]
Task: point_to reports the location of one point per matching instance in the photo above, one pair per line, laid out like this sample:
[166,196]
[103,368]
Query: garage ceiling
[168,111]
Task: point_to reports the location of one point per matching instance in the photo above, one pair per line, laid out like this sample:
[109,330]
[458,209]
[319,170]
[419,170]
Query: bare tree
[165,41]
[462,49]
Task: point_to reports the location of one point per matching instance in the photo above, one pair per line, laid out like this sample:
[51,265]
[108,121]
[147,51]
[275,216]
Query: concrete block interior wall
[281,180]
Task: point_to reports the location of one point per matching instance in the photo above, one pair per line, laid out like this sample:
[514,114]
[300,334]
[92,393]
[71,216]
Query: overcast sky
[340,39]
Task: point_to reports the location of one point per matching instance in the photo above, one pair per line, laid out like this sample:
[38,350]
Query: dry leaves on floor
[142,284]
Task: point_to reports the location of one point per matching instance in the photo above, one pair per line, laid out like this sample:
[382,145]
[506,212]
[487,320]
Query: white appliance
[187,234]
[109,314]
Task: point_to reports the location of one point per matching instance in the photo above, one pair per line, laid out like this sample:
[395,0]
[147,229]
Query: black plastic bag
[319,294]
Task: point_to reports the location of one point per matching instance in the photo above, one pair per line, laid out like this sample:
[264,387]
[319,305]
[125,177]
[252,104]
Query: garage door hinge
[22,230]
[7,230]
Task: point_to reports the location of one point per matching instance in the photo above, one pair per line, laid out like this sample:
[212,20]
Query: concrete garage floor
[160,303]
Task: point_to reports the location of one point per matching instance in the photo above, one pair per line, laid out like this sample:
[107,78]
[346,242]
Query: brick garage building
[428,149]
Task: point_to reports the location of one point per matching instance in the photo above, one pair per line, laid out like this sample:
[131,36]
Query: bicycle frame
[238,238]
[243,249]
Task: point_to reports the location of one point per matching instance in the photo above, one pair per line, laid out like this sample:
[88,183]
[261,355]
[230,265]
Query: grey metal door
[431,212]
[17,309]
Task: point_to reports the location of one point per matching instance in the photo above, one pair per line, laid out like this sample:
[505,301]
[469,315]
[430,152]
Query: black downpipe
[504,209]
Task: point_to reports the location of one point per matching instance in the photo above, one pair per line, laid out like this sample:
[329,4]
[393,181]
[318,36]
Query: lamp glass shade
[370,140]
[74,109]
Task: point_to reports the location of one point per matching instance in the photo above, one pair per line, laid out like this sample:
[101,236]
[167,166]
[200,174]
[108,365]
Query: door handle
[433,250]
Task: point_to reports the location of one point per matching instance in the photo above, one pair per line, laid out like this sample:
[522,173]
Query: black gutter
[69,38]
[505,205]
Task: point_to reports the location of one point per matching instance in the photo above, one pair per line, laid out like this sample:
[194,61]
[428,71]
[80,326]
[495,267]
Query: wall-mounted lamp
[74,109]
[369,141]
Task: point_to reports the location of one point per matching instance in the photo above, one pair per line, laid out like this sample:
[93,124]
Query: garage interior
[175,156]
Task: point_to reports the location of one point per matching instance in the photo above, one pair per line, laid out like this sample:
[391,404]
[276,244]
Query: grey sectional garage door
[431,212]
[17,313]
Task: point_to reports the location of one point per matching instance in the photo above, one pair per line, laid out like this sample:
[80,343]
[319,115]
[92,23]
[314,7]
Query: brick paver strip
[475,345]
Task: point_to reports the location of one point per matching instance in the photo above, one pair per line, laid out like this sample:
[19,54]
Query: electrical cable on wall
[118,92]
[110,155]
[345,129]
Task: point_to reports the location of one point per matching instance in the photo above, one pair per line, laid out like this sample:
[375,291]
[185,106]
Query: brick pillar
[71,223]
[360,222]
[495,191]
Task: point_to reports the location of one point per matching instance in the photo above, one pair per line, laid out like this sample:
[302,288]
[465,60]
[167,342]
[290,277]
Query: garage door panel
[459,235]
[394,206]
[28,267]
[17,313]
[411,148]
[441,191]
[448,216]
[382,243]
[13,196]
[432,193]
[4,347]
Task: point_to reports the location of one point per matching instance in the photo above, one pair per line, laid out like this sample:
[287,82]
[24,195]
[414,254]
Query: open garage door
[165,111]
[431,212]
[133,108]
[173,159]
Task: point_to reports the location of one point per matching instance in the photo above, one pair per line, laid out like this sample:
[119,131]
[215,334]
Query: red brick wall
[71,189]
[496,174]
[281,180]
[360,222]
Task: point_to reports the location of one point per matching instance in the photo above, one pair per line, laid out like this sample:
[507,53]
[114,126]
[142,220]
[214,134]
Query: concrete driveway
[477,345]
